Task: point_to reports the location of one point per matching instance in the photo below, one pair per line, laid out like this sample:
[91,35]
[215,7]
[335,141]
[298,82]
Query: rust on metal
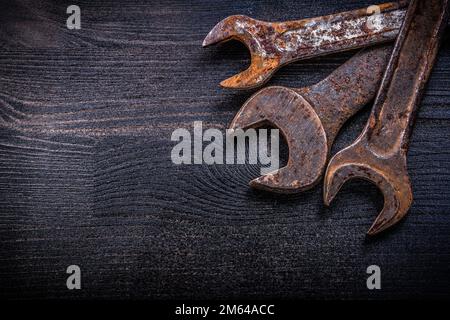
[275,44]
[379,153]
[309,118]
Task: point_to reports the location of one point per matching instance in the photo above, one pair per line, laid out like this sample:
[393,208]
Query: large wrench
[273,45]
[310,118]
[379,153]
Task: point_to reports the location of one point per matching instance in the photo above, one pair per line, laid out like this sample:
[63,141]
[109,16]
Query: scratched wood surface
[86,177]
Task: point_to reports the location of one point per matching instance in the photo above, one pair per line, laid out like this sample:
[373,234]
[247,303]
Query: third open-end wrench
[379,153]
[273,45]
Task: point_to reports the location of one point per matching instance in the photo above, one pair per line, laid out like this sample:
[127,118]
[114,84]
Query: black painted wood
[86,177]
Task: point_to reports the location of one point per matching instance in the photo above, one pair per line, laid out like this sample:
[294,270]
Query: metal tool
[379,153]
[275,44]
[310,118]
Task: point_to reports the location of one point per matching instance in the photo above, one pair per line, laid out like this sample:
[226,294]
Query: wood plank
[86,176]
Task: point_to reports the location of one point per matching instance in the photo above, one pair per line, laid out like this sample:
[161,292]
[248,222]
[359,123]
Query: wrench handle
[409,68]
[359,28]
[348,88]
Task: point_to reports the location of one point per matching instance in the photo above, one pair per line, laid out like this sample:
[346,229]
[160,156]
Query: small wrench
[310,118]
[273,45]
[379,153]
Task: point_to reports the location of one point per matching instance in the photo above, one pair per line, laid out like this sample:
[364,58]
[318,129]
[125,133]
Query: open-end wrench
[310,118]
[379,153]
[273,45]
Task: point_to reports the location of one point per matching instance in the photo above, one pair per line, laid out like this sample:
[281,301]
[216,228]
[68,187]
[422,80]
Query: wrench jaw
[229,28]
[285,109]
[259,72]
[284,181]
[252,33]
[393,182]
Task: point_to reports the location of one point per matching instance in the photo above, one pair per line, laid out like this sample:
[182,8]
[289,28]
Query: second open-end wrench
[379,153]
[310,118]
[274,44]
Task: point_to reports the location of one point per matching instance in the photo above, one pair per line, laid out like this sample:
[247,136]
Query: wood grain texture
[86,176]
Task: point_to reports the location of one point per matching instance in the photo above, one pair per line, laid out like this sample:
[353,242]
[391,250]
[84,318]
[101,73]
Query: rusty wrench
[379,153]
[310,118]
[273,45]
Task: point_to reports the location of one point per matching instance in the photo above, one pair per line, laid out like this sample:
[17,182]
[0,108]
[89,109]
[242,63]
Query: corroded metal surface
[309,118]
[379,153]
[273,45]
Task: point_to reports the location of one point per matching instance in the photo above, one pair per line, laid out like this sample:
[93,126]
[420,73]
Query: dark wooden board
[86,178]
